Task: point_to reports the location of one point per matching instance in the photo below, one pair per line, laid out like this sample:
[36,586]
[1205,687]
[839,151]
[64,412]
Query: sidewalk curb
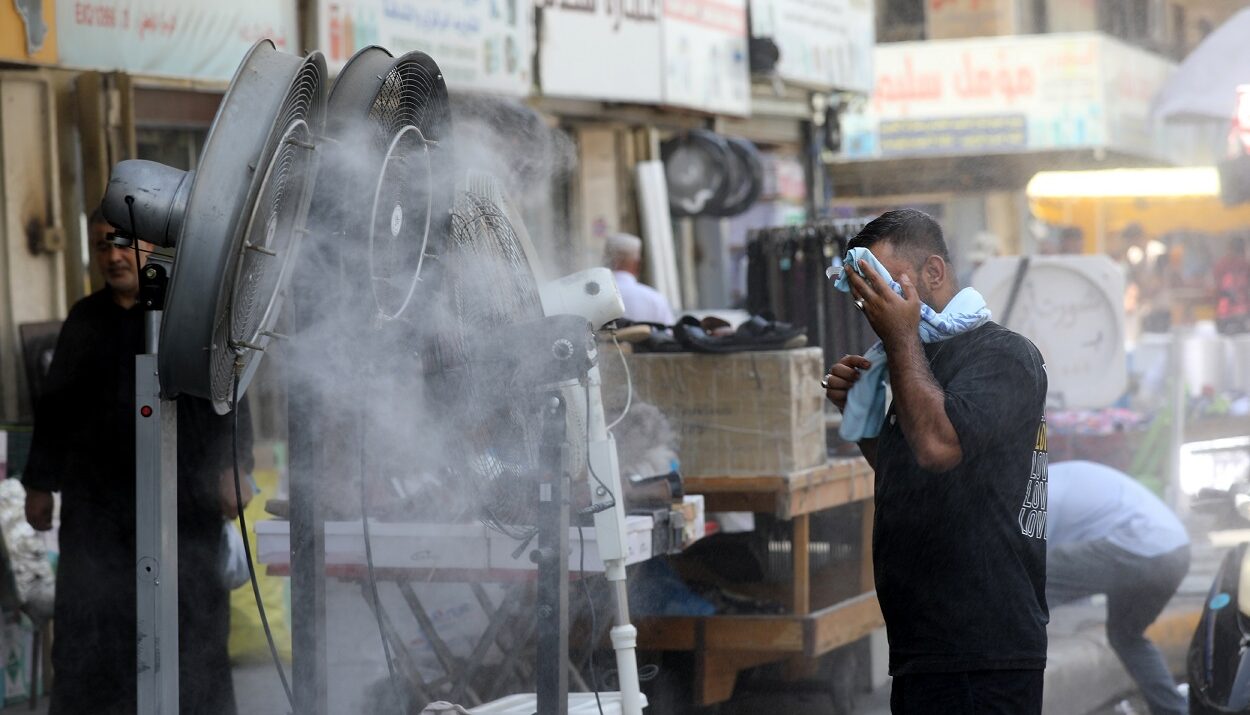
[1084,674]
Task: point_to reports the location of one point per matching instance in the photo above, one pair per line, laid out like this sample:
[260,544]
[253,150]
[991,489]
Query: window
[900,20]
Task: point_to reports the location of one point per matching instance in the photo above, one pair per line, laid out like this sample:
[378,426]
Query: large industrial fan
[452,317]
[233,225]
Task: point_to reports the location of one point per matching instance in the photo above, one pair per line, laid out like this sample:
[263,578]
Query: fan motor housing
[153,195]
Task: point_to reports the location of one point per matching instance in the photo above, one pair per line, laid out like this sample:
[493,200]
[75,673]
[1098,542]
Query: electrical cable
[604,506]
[590,604]
[247,547]
[629,384]
[373,582]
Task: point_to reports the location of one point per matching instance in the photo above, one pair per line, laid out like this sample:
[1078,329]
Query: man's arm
[838,383]
[919,401]
[920,404]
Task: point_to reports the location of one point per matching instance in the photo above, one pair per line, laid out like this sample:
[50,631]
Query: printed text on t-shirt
[1033,511]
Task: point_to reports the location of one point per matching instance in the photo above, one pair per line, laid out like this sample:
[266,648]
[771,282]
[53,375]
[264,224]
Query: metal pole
[308,591]
[610,538]
[305,401]
[552,556]
[1174,493]
[156,531]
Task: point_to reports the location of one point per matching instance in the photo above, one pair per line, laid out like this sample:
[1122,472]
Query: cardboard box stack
[750,413]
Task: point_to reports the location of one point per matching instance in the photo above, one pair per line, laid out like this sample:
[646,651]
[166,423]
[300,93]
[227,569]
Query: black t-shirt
[960,557]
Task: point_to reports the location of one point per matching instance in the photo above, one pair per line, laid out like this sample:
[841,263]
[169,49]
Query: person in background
[84,446]
[1106,533]
[643,304]
[1232,289]
[959,553]
[1071,241]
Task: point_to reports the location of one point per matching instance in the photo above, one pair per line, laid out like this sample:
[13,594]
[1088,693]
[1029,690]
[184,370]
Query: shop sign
[1013,93]
[954,135]
[177,38]
[824,44]
[1131,79]
[705,55]
[602,49]
[480,45]
[28,32]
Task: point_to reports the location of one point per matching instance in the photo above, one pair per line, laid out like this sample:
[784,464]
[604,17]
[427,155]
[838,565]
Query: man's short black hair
[910,231]
[97,217]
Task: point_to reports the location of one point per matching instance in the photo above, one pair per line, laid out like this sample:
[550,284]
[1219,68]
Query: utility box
[750,413]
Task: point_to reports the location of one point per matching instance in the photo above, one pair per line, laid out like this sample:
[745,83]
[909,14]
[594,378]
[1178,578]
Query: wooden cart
[725,645]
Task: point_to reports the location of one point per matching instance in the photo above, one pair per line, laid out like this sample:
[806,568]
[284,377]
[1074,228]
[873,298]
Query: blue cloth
[865,403]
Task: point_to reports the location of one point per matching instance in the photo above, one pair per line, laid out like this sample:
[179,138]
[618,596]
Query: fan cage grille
[280,203]
[488,284]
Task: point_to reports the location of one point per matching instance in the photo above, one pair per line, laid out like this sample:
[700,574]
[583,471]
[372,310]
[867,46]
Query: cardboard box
[749,413]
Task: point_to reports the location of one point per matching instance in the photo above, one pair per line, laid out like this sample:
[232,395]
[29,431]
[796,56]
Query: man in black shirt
[959,551]
[84,446]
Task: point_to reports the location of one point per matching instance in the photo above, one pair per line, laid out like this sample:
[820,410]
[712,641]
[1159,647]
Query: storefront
[32,224]
[962,125]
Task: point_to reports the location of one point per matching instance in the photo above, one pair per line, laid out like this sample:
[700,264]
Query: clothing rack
[786,276]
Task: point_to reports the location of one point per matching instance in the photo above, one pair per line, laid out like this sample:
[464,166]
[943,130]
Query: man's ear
[933,272]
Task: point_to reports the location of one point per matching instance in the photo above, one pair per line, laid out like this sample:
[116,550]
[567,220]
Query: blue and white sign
[480,45]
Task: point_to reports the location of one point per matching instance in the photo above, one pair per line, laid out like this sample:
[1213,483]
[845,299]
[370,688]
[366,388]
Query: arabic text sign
[957,135]
[1055,82]
[480,45]
[180,38]
[705,55]
[823,43]
[602,49]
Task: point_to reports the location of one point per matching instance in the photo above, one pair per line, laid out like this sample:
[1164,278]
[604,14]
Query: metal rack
[786,277]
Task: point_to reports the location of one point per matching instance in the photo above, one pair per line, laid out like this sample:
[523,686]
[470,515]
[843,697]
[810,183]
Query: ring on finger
[859,303]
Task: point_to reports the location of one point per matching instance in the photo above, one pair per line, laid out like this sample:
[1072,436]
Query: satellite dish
[235,223]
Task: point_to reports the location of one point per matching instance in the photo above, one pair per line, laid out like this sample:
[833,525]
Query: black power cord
[247,547]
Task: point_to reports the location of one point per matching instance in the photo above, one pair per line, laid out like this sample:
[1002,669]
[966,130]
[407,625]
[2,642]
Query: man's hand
[842,376]
[229,505]
[39,509]
[892,317]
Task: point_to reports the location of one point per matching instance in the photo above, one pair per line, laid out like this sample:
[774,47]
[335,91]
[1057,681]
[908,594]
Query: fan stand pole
[552,557]
[610,537]
[156,511]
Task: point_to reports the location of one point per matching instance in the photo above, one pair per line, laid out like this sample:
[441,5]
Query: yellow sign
[28,31]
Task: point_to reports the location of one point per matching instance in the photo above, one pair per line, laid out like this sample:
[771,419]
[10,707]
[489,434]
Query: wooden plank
[837,482]
[667,633]
[814,634]
[843,623]
[815,496]
[799,557]
[776,634]
[719,484]
[717,673]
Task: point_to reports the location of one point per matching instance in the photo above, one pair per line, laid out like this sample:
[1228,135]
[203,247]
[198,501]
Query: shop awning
[1158,200]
